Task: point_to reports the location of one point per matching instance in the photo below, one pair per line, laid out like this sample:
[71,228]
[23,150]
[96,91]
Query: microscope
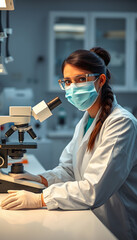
[20,116]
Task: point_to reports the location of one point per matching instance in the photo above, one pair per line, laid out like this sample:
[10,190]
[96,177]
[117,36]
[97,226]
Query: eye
[67,82]
[81,79]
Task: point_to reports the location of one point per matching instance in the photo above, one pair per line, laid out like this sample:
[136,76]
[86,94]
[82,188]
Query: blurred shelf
[65,133]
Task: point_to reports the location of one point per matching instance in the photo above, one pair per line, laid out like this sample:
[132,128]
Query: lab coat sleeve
[64,171]
[108,168]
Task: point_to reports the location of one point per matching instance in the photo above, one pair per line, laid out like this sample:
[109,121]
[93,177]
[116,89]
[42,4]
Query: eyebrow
[75,76]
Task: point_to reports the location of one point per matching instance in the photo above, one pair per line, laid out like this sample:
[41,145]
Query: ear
[102,80]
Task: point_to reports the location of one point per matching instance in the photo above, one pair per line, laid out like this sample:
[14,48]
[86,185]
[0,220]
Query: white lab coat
[104,179]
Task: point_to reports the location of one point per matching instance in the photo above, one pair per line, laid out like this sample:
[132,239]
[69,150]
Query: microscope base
[9,183]
[5,186]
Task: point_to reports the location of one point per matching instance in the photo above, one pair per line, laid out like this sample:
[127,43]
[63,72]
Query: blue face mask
[82,95]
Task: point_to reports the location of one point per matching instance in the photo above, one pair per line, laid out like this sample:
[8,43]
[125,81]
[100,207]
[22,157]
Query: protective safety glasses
[66,82]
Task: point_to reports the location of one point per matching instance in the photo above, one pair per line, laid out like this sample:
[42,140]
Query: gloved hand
[27,176]
[21,199]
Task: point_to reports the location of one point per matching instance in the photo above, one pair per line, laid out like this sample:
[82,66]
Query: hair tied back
[102,53]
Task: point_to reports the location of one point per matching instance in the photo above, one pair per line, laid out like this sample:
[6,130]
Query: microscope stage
[7,182]
[15,145]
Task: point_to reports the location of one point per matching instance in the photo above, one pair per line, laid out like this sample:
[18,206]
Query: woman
[98,168]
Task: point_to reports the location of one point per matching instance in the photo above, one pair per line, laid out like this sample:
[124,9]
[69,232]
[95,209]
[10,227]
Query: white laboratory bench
[43,224]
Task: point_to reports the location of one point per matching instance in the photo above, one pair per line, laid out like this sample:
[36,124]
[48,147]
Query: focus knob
[1,161]
[17,168]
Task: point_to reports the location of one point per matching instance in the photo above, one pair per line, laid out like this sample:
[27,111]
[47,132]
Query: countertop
[48,225]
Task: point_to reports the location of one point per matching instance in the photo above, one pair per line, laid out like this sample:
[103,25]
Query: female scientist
[98,168]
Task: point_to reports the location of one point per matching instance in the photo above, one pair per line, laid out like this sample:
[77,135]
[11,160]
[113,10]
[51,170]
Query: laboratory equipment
[11,96]
[61,119]
[21,116]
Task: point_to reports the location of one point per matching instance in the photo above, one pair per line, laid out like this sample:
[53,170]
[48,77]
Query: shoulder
[120,118]
[120,126]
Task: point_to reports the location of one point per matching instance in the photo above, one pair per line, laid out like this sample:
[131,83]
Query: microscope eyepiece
[54,103]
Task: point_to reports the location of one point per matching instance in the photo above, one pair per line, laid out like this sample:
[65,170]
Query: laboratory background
[42,34]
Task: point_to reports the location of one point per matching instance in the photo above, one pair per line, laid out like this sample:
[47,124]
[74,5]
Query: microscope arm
[22,114]
[16,120]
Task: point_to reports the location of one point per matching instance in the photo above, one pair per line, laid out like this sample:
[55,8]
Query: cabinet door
[68,32]
[132,54]
[110,32]
[135,70]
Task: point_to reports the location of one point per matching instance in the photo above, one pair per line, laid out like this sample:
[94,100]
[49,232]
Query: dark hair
[95,61]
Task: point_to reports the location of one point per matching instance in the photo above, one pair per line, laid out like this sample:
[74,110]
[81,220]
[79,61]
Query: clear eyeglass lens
[64,83]
[77,79]
[80,79]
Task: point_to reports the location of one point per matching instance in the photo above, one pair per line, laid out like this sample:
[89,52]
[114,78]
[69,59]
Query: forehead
[71,70]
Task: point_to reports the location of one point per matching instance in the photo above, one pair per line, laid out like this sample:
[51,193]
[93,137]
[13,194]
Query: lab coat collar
[82,137]
[114,104]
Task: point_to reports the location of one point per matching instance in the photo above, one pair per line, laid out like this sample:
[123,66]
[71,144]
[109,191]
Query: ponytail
[106,98]
[106,105]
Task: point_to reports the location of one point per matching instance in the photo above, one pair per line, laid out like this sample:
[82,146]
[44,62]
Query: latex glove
[21,200]
[27,176]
